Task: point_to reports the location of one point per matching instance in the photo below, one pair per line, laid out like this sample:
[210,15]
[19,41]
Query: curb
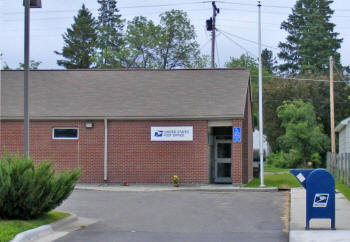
[321,235]
[240,189]
[33,233]
[168,189]
[30,235]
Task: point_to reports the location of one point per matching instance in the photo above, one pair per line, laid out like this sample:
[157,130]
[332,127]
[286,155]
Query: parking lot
[178,216]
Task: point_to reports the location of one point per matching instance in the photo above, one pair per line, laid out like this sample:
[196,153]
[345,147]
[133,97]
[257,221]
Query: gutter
[105,160]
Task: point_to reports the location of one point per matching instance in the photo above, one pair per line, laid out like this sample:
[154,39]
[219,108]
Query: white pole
[261,131]
[0,97]
[105,160]
[26,77]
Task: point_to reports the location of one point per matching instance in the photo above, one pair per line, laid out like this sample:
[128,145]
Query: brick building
[142,126]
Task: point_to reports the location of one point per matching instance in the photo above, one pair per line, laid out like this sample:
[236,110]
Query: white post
[0,99]
[261,127]
[105,160]
[26,77]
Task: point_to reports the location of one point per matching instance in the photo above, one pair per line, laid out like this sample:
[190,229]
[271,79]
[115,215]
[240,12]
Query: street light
[27,5]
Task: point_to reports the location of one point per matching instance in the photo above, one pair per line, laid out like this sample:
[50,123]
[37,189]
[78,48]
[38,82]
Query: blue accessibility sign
[321,200]
[237,134]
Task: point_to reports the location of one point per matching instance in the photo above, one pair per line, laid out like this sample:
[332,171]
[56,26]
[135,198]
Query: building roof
[126,94]
[342,124]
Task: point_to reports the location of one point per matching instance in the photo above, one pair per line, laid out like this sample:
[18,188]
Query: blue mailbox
[320,194]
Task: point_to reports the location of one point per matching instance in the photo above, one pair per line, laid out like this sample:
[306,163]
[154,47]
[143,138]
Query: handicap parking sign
[237,134]
[321,200]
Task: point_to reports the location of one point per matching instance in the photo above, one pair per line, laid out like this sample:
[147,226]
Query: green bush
[27,191]
[291,160]
[283,160]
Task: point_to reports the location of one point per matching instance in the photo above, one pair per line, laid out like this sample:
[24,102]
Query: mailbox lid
[301,175]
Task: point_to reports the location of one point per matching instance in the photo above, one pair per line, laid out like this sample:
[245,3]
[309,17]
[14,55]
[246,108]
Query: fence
[339,166]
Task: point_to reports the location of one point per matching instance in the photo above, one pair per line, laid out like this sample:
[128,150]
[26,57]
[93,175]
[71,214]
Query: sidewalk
[319,228]
[168,187]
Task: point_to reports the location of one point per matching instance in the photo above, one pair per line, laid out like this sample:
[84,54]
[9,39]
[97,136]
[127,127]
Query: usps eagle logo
[321,200]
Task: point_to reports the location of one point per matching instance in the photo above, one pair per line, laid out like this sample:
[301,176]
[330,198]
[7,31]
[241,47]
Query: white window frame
[53,133]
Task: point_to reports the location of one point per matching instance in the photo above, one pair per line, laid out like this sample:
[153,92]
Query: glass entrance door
[223,161]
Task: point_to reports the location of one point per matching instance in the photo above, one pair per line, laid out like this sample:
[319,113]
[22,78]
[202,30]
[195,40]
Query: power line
[120,7]
[237,44]
[275,6]
[297,79]
[180,4]
[248,40]
[341,76]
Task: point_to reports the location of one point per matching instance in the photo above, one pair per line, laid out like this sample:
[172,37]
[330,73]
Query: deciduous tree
[177,45]
[142,38]
[33,65]
[303,136]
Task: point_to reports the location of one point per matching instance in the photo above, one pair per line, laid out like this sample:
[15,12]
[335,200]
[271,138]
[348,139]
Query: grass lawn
[269,168]
[343,189]
[287,180]
[9,228]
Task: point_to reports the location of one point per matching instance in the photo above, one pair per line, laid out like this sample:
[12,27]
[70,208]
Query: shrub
[27,191]
[283,160]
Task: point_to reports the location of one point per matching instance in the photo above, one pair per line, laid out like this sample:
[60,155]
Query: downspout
[105,160]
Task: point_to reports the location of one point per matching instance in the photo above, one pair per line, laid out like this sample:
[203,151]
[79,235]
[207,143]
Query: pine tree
[110,35]
[311,38]
[268,61]
[80,42]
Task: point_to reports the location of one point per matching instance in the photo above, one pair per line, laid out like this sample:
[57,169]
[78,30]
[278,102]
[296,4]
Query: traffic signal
[210,24]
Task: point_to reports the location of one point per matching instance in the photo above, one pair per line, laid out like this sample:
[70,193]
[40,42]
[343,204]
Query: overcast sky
[237,24]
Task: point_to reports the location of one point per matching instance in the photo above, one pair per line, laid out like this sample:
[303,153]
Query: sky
[237,25]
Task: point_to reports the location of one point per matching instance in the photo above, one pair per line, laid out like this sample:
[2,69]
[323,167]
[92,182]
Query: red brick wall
[237,156]
[248,141]
[133,157]
[131,154]
[85,152]
[242,152]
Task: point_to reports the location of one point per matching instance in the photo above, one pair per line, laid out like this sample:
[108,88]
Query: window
[65,133]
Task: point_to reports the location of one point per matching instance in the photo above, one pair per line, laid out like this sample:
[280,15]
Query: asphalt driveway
[178,216]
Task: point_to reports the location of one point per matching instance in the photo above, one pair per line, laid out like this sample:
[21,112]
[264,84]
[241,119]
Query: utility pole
[261,126]
[213,28]
[331,96]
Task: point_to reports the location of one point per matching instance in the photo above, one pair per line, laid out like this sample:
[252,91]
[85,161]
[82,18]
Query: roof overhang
[342,125]
[46,118]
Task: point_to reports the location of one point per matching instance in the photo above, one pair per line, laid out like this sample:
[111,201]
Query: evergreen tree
[80,42]
[110,35]
[311,38]
[268,61]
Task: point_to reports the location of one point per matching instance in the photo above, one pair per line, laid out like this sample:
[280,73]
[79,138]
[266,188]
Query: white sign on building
[172,133]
